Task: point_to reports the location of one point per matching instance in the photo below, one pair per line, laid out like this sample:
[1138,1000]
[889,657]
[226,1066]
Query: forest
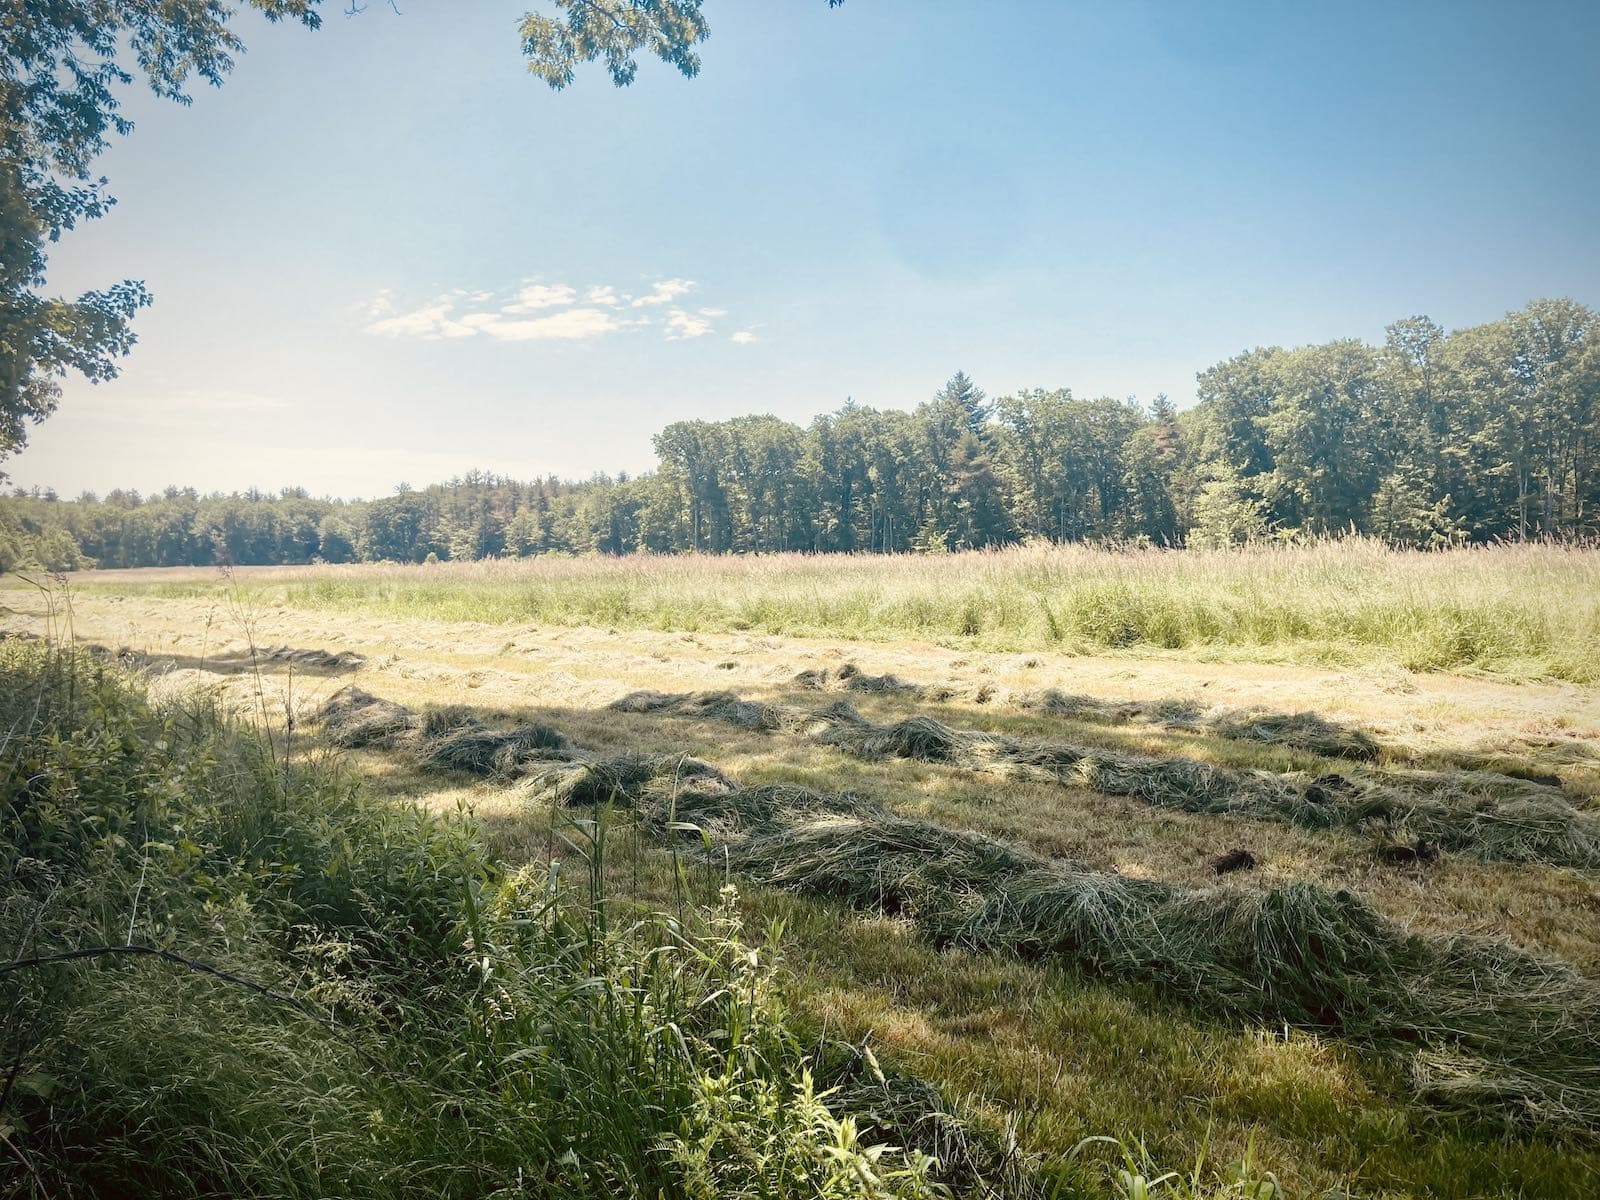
[1429,440]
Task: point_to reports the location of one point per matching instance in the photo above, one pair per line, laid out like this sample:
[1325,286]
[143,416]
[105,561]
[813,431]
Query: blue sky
[383,252]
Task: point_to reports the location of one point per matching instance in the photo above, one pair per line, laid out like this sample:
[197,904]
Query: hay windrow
[1306,731]
[333,660]
[1485,816]
[1501,1030]
[1301,731]
[1485,1026]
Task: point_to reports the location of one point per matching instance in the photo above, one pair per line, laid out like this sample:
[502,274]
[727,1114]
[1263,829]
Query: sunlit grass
[1524,611]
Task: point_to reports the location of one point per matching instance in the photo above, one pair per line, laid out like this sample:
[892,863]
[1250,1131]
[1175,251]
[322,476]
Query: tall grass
[354,1001]
[1529,610]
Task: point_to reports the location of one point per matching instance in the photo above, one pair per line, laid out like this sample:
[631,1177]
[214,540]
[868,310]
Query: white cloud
[744,337]
[665,292]
[433,320]
[380,305]
[542,312]
[682,325]
[531,297]
[575,324]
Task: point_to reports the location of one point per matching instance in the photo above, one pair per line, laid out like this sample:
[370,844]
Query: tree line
[1428,440]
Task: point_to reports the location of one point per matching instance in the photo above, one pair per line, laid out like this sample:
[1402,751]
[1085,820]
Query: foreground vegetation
[1526,611]
[1331,1018]
[229,973]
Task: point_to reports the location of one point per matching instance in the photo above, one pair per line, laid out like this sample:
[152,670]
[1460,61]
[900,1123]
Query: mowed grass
[1528,611]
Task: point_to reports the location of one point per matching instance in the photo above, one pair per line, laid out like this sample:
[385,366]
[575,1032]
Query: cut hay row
[1483,1026]
[1492,818]
[1306,731]
[334,660]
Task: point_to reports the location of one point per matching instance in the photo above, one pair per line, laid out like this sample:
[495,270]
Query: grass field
[1400,998]
[1526,611]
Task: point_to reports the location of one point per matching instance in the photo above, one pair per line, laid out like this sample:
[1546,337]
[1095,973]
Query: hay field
[1527,611]
[994,846]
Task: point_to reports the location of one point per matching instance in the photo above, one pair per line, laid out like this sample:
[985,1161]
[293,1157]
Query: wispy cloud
[744,337]
[683,325]
[534,296]
[573,325]
[664,292]
[434,319]
[539,312]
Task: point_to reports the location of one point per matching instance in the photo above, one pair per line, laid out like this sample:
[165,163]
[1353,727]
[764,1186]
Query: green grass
[1525,611]
[437,1025]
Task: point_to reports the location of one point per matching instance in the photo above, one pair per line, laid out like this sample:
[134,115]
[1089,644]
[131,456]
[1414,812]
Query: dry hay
[851,678]
[342,660]
[725,708]
[352,718]
[1490,817]
[1300,731]
[1306,731]
[503,753]
[627,780]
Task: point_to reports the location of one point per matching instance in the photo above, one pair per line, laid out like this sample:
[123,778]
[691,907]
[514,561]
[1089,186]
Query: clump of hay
[725,708]
[919,738]
[437,722]
[504,753]
[728,812]
[342,660]
[729,709]
[352,718]
[1299,731]
[852,678]
[648,702]
[630,780]
[1074,706]
[1302,731]
[905,1110]
[857,680]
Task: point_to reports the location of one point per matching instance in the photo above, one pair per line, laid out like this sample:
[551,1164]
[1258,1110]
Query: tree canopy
[61,65]
[1430,439]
